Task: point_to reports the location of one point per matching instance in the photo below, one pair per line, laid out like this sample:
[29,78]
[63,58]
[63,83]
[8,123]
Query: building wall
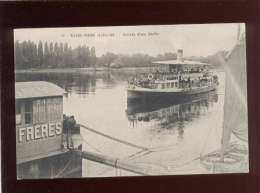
[38,128]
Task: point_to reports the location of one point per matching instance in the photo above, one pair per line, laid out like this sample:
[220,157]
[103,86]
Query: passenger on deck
[69,123]
[65,130]
[189,82]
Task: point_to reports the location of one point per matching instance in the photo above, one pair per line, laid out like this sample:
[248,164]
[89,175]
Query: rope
[115,139]
[92,146]
[144,150]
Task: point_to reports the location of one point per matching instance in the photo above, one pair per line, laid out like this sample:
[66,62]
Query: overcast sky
[195,40]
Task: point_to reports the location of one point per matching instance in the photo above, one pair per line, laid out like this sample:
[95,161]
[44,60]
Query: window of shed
[18,113]
[28,112]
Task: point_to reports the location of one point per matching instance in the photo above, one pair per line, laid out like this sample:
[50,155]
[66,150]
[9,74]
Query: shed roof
[37,89]
[181,62]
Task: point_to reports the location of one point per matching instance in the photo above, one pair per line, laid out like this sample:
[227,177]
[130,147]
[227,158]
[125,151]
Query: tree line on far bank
[29,55]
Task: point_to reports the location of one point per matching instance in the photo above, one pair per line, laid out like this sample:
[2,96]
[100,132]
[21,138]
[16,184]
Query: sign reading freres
[39,131]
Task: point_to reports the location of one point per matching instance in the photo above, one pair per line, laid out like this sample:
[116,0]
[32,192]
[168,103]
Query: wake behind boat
[173,78]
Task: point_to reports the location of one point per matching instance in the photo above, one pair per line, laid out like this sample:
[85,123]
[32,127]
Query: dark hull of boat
[148,95]
[154,102]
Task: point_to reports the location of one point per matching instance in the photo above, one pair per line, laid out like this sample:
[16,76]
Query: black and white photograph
[145,100]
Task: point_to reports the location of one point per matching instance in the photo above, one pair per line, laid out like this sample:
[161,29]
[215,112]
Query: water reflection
[170,114]
[81,83]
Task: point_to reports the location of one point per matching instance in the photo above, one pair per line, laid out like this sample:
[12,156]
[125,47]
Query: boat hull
[64,165]
[234,160]
[152,104]
[142,93]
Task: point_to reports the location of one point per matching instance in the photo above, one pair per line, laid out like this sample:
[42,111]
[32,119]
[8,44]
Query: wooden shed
[39,116]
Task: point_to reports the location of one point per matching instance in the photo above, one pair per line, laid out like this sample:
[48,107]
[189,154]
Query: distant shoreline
[78,70]
[87,70]
[64,70]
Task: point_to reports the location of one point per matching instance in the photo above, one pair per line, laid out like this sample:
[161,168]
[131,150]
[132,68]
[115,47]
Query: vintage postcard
[131,100]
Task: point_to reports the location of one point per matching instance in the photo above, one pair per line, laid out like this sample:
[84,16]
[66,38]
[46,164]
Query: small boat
[173,78]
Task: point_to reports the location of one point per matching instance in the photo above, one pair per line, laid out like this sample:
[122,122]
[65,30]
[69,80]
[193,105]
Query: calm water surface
[179,131]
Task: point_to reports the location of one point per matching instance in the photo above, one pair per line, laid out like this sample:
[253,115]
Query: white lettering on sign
[51,129]
[21,134]
[30,134]
[39,131]
[58,128]
[45,130]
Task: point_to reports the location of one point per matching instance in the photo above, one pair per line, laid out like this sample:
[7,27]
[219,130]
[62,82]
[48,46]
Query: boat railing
[180,84]
[172,80]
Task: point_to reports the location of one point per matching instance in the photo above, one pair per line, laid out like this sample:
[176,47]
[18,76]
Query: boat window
[162,85]
[172,84]
[28,112]
[168,85]
[176,84]
[18,113]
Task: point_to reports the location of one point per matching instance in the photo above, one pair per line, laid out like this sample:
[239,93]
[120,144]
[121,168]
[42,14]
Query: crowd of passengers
[185,81]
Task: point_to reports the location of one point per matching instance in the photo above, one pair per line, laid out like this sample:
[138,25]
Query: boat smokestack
[180,54]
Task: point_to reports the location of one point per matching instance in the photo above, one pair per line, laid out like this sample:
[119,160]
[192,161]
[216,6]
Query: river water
[178,131]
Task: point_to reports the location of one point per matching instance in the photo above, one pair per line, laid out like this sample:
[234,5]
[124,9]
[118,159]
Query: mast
[238,32]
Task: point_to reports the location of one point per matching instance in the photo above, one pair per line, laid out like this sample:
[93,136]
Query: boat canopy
[36,89]
[180,62]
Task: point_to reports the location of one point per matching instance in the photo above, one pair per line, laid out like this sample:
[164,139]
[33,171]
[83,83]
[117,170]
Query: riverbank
[81,70]
[60,70]
[90,70]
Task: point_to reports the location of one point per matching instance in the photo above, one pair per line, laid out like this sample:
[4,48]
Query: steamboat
[174,78]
